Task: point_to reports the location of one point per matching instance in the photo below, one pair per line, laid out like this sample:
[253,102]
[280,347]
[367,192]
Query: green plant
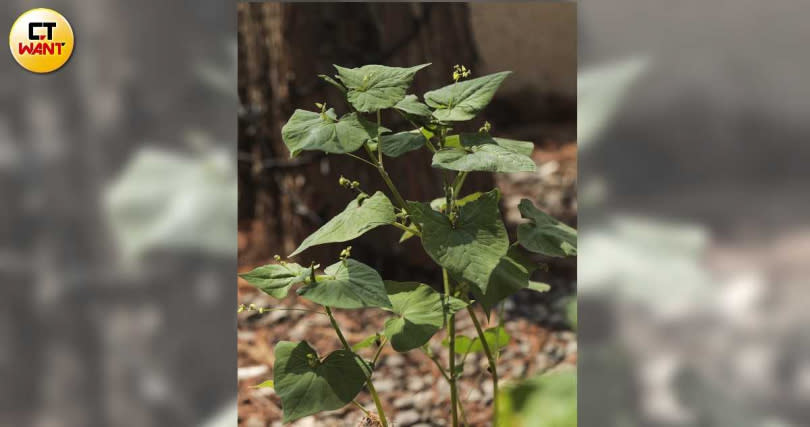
[463,234]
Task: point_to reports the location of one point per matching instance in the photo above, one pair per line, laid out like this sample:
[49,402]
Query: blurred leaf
[463,100]
[548,400]
[165,200]
[545,234]
[599,93]
[497,338]
[348,284]
[539,286]
[307,385]
[360,216]
[376,87]
[266,384]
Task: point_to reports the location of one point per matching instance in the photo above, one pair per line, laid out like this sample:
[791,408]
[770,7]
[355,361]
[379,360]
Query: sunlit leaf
[463,100]
[348,284]
[276,279]
[307,130]
[361,215]
[376,87]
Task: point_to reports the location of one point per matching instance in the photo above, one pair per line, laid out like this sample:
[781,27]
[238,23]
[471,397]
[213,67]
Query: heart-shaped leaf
[471,248]
[276,279]
[400,143]
[307,130]
[376,87]
[361,215]
[509,276]
[308,385]
[420,313]
[544,234]
[481,152]
[412,106]
[347,284]
[463,100]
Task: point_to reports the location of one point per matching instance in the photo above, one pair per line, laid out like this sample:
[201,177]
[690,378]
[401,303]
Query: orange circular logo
[41,40]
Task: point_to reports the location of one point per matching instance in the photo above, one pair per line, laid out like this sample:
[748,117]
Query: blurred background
[282,49]
[118,220]
[694,237]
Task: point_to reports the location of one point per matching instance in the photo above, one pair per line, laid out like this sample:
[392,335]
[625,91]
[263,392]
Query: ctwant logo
[41,40]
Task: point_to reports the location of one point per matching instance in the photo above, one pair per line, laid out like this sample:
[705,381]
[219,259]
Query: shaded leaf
[347,284]
[376,87]
[481,152]
[544,234]
[463,100]
[510,275]
[470,249]
[361,215]
[276,279]
[400,143]
[307,385]
[412,106]
[419,313]
[307,130]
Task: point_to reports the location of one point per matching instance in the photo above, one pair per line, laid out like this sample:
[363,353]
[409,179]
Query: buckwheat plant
[462,233]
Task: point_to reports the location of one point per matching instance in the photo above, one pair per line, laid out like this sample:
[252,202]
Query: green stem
[492,363]
[408,229]
[381,169]
[451,331]
[365,411]
[379,351]
[459,182]
[369,384]
[379,143]
[438,365]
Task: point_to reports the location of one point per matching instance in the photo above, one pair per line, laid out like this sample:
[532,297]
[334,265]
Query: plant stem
[379,143]
[408,229]
[492,363]
[381,169]
[365,411]
[438,365]
[379,350]
[369,384]
[361,159]
[451,331]
[459,182]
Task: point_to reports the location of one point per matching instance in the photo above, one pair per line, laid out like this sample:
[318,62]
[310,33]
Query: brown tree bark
[282,49]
